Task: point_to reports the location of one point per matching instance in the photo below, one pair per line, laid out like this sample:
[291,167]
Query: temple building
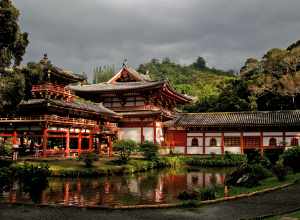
[143,104]
[235,132]
[57,122]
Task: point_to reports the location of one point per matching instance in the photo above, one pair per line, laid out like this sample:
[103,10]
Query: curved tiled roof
[97,108]
[237,119]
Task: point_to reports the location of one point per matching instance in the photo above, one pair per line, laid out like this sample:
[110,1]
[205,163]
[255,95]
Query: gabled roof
[128,79]
[237,119]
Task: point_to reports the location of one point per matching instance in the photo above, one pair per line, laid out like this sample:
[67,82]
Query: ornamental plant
[149,150]
[291,158]
[125,148]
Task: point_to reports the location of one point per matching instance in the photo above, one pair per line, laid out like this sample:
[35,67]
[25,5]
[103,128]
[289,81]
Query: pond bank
[279,201]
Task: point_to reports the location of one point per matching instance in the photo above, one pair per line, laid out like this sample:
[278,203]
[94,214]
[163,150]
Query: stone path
[283,200]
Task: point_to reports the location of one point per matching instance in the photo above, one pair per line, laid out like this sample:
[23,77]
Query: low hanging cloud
[82,34]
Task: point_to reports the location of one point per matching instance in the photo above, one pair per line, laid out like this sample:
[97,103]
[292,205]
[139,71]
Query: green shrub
[5,149]
[188,195]
[125,148]
[247,175]
[280,171]
[273,155]
[253,156]
[5,178]
[149,150]
[88,159]
[208,193]
[291,158]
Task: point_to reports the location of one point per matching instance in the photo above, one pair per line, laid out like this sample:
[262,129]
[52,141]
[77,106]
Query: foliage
[125,148]
[149,150]
[200,63]
[247,175]
[5,178]
[273,155]
[12,48]
[280,171]
[291,158]
[229,160]
[208,193]
[5,149]
[188,195]
[33,179]
[88,159]
[103,73]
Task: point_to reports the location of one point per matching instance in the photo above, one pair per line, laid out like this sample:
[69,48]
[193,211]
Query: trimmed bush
[188,195]
[280,171]
[88,159]
[5,178]
[291,158]
[247,175]
[208,193]
[149,150]
[125,148]
[273,155]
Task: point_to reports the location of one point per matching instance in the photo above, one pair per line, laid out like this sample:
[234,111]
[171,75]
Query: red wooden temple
[57,122]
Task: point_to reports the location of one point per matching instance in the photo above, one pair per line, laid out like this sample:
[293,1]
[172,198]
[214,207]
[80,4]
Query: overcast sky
[82,34]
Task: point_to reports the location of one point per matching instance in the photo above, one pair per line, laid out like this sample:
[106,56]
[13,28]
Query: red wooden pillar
[109,147]
[15,136]
[79,142]
[90,142]
[203,143]
[261,143]
[142,134]
[242,142]
[45,141]
[154,132]
[68,143]
[222,143]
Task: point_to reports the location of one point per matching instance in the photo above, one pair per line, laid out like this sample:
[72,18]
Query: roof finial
[124,63]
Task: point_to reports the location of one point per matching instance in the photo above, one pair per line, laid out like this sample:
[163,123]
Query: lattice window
[272,142]
[251,141]
[294,142]
[195,142]
[232,141]
[213,142]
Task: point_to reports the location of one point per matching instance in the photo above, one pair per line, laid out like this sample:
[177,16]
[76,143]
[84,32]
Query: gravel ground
[270,203]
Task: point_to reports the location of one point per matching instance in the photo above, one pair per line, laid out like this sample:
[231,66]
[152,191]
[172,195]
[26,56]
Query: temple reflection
[147,188]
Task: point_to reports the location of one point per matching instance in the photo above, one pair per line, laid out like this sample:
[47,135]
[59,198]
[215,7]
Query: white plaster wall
[195,150]
[288,140]
[234,150]
[232,134]
[148,134]
[266,140]
[272,133]
[179,150]
[159,135]
[251,134]
[216,150]
[292,133]
[194,134]
[213,134]
[130,133]
[189,141]
[207,141]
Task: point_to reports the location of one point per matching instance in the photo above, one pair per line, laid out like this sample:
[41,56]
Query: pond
[155,187]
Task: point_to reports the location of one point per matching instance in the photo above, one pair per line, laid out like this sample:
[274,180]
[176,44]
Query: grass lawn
[102,167]
[264,184]
[290,216]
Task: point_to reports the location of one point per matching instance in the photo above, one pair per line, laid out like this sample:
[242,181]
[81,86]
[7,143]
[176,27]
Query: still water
[155,187]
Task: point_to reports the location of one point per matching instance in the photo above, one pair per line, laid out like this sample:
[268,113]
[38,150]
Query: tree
[12,48]
[149,150]
[125,148]
[103,73]
[200,63]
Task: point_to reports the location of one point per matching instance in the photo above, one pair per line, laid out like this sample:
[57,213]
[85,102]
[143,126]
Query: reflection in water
[148,188]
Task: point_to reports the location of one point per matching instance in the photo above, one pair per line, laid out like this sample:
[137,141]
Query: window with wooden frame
[213,142]
[294,142]
[251,141]
[272,142]
[195,142]
[232,141]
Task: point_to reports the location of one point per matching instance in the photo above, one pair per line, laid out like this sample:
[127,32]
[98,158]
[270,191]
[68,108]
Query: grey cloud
[81,34]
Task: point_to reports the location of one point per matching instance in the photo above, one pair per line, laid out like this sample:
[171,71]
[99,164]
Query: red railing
[54,89]
[50,118]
